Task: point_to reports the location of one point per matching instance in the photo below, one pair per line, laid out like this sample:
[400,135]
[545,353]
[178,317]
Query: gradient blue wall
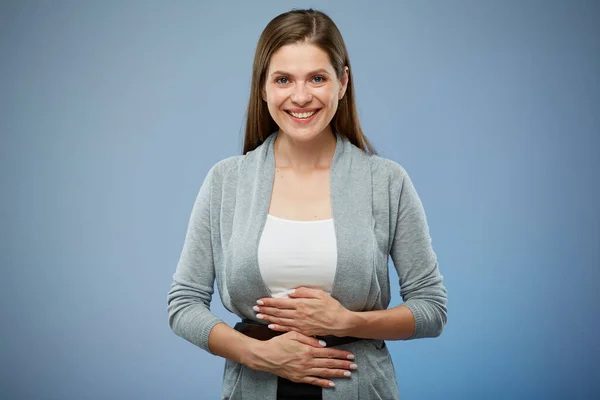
[111,113]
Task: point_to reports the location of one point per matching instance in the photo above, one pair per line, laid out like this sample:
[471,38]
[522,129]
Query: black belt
[262,332]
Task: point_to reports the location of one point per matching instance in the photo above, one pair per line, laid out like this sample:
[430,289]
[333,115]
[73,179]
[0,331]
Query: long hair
[314,27]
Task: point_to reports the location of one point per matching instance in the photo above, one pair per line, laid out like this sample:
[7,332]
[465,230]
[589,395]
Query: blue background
[112,112]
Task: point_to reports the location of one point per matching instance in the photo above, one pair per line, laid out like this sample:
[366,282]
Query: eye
[318,79]
[283,80]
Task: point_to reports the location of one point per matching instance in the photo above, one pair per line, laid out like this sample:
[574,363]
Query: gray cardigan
[377,213]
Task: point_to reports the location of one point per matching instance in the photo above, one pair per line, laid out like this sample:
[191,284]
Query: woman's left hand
[308,311]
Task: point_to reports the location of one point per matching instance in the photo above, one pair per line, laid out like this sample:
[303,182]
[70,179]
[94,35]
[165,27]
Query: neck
[305,155]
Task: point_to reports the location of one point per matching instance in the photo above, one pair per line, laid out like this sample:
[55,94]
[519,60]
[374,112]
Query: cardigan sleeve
[421,284]
[193,282]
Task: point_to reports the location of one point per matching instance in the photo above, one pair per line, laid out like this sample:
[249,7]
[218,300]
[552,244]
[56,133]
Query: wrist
[251,353]
[350,323]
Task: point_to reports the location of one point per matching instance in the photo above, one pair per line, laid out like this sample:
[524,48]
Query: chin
[302,134]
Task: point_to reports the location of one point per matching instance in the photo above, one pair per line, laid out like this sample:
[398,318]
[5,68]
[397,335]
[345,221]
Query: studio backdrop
[112,113]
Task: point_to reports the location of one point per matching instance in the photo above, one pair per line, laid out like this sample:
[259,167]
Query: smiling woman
[297,232]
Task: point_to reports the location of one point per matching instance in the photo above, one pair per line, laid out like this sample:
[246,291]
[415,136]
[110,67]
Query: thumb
[304,292]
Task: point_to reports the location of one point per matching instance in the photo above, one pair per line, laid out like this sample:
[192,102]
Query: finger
[278,321]
[280,328]
[333,353]
[308,293]
[275,312]
[289,304]
[308,340]
[313,380]
[330,373]
[334,363]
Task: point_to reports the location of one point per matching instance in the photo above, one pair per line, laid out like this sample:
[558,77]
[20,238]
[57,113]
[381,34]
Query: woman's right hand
[301,358]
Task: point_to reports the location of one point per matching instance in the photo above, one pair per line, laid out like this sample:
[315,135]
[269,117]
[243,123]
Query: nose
[301,95]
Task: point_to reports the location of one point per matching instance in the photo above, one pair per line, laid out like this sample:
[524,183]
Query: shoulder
[227,165]
[388,171]
[391,177]
[223,170]
[230,169]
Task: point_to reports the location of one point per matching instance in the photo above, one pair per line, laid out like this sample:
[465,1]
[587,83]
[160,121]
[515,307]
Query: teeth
[302,115]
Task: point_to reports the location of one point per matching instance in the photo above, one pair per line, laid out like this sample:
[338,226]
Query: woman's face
[302,90]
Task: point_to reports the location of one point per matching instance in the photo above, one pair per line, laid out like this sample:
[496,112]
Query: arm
[314,312]
[192,288]
[226,342]
[421,284]
[423,313]
[396,323]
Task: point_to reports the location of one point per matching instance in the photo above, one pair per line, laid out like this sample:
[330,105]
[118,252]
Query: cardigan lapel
[351,201]
[253,197]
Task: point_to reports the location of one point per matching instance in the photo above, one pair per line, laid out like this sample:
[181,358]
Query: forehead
[299,58]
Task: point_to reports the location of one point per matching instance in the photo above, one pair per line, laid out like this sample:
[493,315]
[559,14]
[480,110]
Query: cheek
[275,100]
[272,105]
[330,97]
[333,102]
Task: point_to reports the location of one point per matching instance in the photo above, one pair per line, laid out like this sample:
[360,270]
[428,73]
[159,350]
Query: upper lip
[301,110]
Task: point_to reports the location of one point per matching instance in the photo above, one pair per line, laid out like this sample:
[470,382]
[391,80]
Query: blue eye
[281,80]
[318,79]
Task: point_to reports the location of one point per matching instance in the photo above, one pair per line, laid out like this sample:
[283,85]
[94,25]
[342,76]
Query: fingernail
[347,373]
[331,384]
[260,302]
[350,356]
[260,316]
[271,326]
[255,308]
[291,291]
[322,343]
[353,366]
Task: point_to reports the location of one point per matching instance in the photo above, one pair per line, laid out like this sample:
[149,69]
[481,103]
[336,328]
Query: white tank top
[297,253]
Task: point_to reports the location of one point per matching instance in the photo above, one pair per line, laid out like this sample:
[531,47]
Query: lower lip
[303,120]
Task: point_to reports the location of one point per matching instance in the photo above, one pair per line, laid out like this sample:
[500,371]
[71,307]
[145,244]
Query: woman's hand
[308,311]
[300,358]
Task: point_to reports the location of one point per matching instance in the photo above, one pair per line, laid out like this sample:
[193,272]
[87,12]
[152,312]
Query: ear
[344,83]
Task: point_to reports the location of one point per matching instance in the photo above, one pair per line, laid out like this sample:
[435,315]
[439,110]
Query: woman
[297,233]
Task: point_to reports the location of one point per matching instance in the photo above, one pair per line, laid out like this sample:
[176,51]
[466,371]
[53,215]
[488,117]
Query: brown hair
[313,27]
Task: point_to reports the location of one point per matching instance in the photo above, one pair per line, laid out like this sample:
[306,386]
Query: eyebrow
[317,71]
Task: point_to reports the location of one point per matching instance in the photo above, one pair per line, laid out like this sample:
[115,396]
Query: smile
[304,116]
